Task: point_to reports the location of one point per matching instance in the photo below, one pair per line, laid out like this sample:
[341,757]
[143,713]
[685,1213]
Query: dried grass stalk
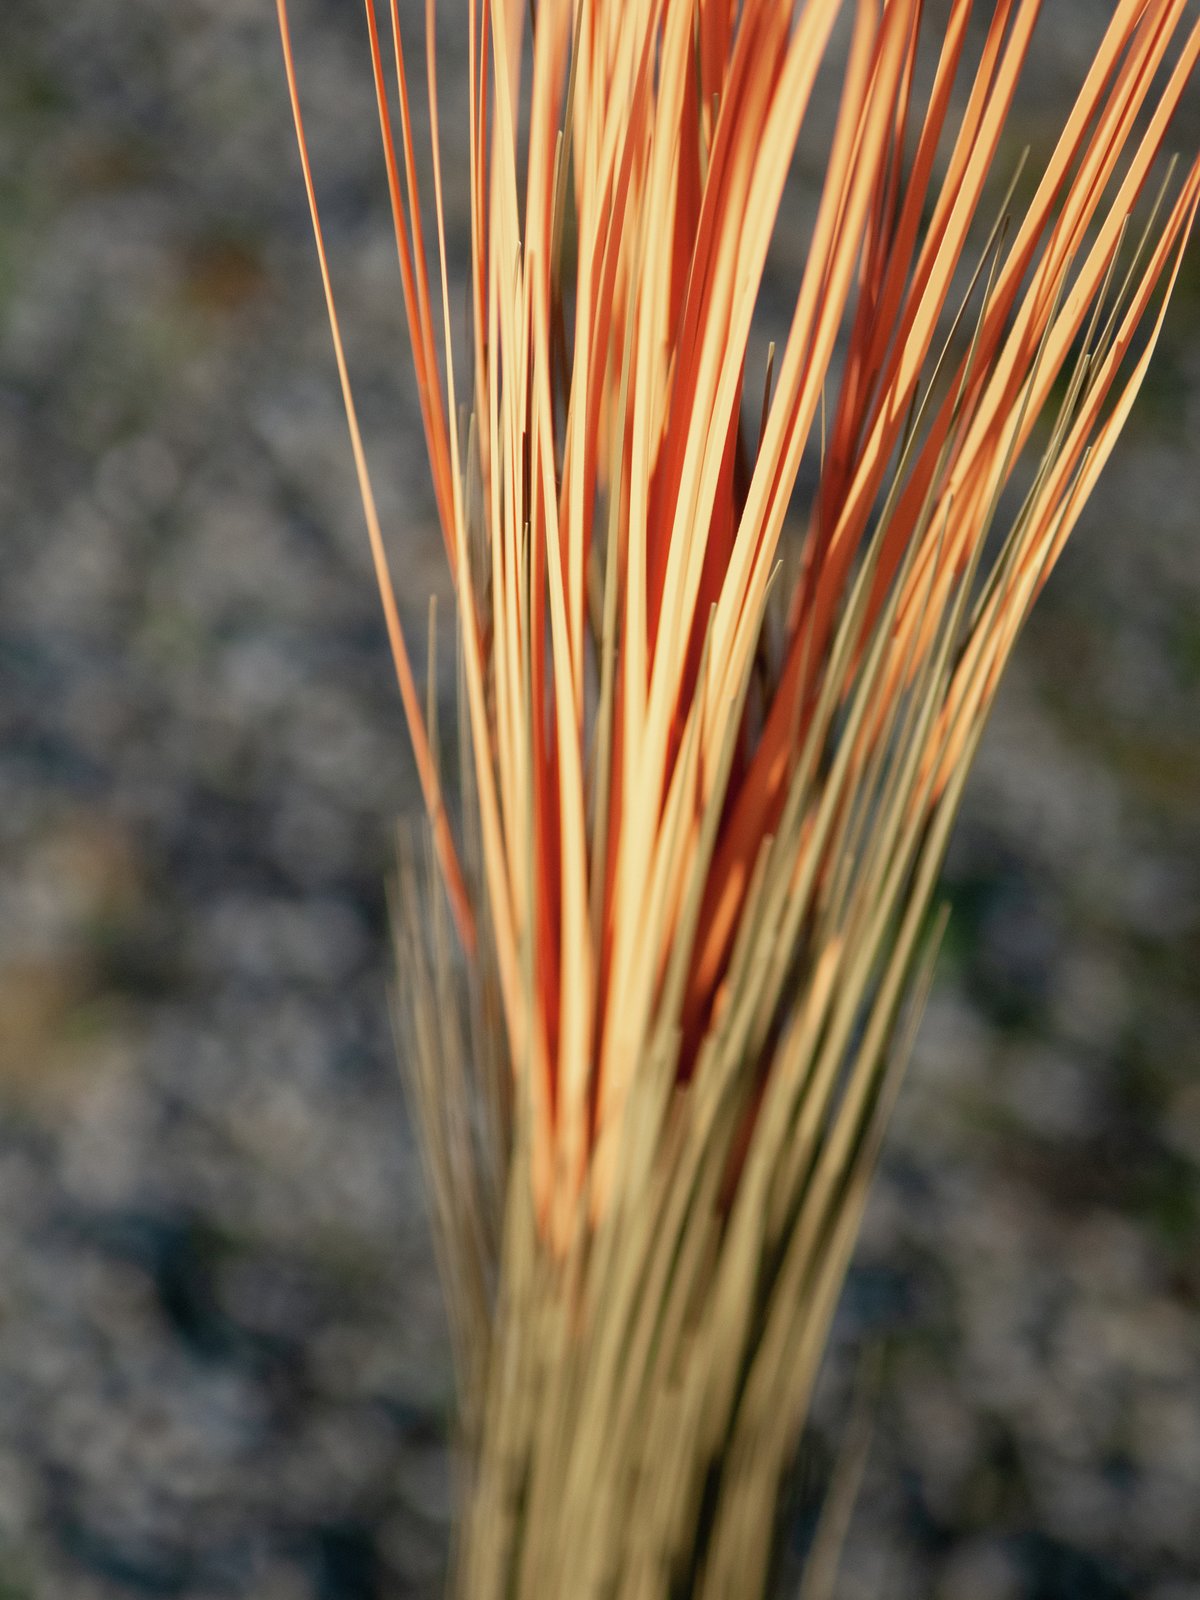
[710,764]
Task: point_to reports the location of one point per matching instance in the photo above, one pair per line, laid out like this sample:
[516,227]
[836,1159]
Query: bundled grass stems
[728,639]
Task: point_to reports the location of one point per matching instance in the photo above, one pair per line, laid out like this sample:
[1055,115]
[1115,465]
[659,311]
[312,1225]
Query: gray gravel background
[223,1371]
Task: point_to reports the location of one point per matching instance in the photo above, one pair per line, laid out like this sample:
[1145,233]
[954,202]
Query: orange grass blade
[426,767]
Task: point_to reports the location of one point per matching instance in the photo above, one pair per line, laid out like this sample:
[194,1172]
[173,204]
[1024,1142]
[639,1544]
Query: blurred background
[223,1368]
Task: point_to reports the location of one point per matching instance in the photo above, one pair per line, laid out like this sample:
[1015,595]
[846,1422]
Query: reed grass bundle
[729,629]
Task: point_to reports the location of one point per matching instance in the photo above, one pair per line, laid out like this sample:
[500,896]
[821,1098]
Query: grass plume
[728,641]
